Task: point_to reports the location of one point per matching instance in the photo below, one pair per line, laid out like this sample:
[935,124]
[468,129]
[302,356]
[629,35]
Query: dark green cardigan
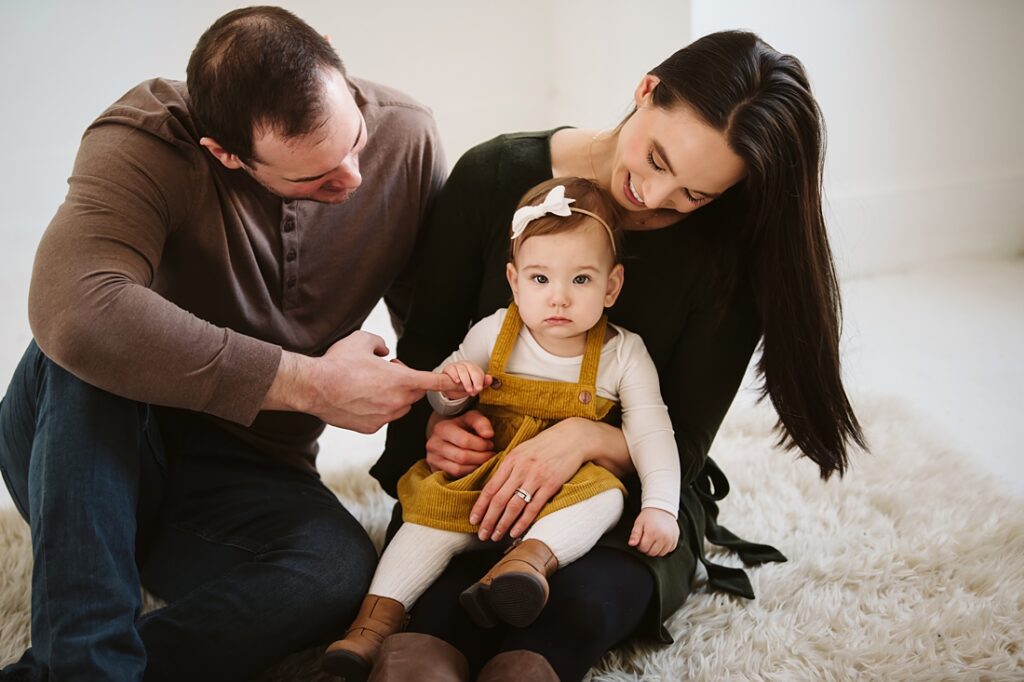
[701,341]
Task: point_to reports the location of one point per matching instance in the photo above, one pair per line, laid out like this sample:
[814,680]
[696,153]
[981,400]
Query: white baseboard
[875,232]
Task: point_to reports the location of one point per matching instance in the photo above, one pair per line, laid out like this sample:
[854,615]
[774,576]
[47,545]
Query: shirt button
[289,225]
[291,282]
[291,256]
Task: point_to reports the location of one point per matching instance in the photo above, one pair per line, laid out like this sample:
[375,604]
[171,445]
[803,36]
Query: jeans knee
[337,568]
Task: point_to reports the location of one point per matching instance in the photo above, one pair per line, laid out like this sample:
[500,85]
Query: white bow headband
[554,203]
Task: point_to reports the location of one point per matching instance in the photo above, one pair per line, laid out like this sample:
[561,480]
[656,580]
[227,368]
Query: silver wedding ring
[525,495]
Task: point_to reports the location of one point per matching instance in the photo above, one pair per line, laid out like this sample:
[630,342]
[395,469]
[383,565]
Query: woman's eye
[540,279]
[653,163]
[581,279]
[693,199]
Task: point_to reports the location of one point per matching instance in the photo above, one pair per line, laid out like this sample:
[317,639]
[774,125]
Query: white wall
[923,100]
[601,53]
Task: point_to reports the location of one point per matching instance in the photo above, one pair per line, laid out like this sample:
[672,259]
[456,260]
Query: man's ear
[512,275]
[645,90]
[228,159]
[615,280]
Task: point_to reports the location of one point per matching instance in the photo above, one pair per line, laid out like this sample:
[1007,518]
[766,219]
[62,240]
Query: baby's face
[562,283]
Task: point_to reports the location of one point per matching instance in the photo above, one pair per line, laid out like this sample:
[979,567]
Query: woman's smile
[631,192]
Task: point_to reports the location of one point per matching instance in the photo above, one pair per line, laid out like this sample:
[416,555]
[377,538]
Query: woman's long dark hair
[761,101]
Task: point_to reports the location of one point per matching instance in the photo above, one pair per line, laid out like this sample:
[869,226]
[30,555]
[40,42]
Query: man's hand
[458,446]
[655,532]
[351,386]
[468,376]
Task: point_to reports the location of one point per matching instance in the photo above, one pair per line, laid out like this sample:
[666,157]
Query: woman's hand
[540,467]
[655,532]
[458,446]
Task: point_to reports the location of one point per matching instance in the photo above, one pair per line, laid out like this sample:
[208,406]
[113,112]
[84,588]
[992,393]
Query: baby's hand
[469,376]
[655,532]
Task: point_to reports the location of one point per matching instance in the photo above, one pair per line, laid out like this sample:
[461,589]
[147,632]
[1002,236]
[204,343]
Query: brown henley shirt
[169,279]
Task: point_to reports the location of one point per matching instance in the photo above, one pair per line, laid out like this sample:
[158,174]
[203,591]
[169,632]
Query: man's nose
[347,173]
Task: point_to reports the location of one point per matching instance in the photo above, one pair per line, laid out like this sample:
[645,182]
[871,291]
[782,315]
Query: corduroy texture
[519,409]
[910,568]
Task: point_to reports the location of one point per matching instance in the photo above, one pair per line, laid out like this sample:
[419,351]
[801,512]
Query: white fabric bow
[555,203]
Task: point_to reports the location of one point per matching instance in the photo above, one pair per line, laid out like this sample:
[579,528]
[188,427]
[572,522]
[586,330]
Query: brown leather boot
[515,590]
[518,665]
[352,657]
[411,656]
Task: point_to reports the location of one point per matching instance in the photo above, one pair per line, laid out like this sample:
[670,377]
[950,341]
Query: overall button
[585,397]
[496,383]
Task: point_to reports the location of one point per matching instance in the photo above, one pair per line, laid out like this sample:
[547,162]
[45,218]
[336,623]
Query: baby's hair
[588,195]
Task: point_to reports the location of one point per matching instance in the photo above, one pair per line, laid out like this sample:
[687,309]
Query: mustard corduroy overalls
[519,409]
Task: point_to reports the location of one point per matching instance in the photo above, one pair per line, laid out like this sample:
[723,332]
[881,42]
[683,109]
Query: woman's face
[670,158]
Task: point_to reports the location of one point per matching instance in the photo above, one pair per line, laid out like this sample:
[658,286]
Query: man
[196,303]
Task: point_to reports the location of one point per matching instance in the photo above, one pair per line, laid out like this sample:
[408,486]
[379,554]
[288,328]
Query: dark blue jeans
[254,555]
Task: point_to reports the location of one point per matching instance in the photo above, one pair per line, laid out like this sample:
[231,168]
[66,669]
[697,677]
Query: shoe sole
[347,665]
[517,598]
[474,602]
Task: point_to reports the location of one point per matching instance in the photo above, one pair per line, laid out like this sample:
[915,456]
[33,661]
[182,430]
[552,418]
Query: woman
[718,169]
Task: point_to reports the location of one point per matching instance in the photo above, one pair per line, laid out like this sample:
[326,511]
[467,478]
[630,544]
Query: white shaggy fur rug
[911,568]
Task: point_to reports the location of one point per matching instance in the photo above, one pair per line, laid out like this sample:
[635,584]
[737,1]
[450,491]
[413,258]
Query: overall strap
[506,341]
[592,352]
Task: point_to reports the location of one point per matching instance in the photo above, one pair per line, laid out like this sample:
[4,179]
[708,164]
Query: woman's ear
[615,281]
[645,90]
[512,275]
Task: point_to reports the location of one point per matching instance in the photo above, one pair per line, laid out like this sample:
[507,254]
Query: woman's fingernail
[474,519]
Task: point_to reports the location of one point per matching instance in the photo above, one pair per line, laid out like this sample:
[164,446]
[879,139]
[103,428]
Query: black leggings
[595,603]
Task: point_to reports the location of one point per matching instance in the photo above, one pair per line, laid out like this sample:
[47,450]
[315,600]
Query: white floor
[944,338]
[948,340]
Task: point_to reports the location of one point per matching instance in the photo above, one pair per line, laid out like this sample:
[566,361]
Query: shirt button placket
[290,251]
